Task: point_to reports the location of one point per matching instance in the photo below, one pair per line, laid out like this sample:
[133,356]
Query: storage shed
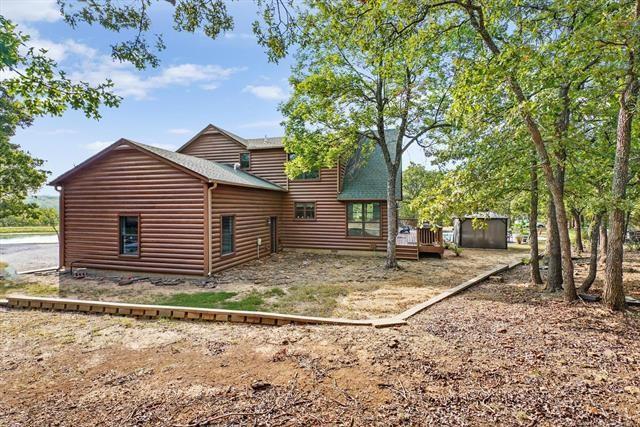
[490,235]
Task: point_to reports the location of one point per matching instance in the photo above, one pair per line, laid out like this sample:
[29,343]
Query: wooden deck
[418,241]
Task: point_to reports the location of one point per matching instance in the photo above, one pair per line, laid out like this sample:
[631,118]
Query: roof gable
[246,143]
[206,170]
[214,129]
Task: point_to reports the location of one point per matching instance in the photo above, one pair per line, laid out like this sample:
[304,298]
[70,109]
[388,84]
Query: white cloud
[180,131]
[87,64]
[30,10]
[58,51]
[243,36]
[260,124]
[97,145]
[129,82]
[271,93]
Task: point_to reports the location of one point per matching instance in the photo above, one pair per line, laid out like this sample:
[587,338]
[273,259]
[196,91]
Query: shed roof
[485,215]
[366,177]
[205,169]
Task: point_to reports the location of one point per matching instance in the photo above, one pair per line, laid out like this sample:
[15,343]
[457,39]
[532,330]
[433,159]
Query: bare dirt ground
[498,354]
[312,284]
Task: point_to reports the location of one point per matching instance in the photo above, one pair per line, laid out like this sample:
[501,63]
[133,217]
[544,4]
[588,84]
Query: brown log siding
[215,146]
[329,229]
[251,209]
[125,181]
[269,164]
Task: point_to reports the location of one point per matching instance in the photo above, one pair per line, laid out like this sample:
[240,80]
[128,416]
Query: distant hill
[45,201]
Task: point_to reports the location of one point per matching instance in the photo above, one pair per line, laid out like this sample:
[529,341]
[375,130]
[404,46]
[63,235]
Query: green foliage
[361,69]
[566,57]
[366,76]
[34,87]
[35,216]
[276,29]
[28,229]
[20,174]
[457,250]
[45,201]
[416,180]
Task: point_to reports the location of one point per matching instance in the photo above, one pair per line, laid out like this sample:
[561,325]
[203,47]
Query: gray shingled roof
[366,177]
[211,170]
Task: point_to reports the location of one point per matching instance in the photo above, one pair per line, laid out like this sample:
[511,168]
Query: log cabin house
[218,201]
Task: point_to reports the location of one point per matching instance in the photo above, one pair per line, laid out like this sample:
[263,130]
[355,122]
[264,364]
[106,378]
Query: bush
[453,248]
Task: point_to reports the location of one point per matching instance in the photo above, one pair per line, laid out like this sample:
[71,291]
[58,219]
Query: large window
[228,231]
[311,175]
[305,210]
[245,160]
[129,235]
[363,219]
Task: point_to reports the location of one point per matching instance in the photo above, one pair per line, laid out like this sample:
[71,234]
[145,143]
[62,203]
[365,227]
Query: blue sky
[227,82]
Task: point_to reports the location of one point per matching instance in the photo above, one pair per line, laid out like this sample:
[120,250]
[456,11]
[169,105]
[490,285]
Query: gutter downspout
[60,191]
[213,186]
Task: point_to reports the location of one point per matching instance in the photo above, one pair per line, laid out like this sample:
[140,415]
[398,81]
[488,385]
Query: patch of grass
[27,229]
[254,301]
[33,289]
[274,292]
[310,300]
[199,299]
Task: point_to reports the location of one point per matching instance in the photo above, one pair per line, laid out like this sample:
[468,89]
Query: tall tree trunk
[578,226]
[554,270]
[534,264]
[593,258]
[476,17]
[392,221]
[604,242]
[613,295]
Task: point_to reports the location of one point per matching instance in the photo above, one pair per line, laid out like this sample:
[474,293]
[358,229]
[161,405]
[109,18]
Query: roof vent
[236,166]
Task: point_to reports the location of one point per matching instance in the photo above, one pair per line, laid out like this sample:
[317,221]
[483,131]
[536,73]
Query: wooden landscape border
[237,316]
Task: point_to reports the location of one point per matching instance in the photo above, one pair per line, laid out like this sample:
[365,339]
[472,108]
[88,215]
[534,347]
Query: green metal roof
[366,174]
[214,171]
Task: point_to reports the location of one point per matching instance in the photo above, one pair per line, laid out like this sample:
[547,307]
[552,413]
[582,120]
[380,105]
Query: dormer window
[245,160]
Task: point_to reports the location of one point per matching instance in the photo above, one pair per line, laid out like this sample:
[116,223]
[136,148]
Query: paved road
[29,256]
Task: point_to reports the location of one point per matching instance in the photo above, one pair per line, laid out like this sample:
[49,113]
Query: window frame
[233,235]
[315,210]
[363,222]
[301,177]
[248,153]
[122,215]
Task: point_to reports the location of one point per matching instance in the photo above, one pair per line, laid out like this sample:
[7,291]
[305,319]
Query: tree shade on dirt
[451,365]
